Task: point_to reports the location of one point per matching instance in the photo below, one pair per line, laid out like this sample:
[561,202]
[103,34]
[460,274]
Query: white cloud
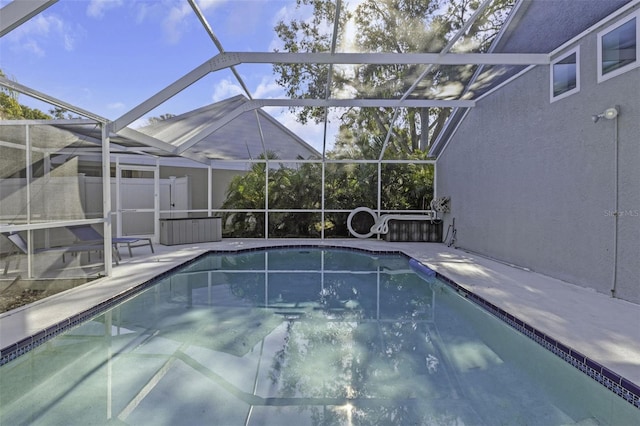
[176,22]
[209,4]
[284,14]
[311,133]
[287,14]
[142,10]
[33,47]
[41,30]
[115,106]
[225,89]
[97,8]
[268,88]
[40,25]
[69,40]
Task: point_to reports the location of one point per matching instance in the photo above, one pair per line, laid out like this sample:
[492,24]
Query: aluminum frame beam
[55,121]
[216,41]
[145,139]
[236,58]
[18,12]
[245,107]
[157,143]
[365,103]
[506,24]
[229,59]
[162,96]
[327,90]
[17,87]
[444,52]
[126,132]
[259,103]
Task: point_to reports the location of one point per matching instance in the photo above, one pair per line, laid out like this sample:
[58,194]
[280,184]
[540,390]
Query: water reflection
[286,337]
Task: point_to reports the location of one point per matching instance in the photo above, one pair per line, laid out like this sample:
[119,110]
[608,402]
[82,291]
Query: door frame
[156,198]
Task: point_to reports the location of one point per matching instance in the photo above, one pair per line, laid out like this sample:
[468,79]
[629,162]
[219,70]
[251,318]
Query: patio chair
[87,233]
[20,247]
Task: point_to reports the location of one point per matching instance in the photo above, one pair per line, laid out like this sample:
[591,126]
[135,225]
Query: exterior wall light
[609,114]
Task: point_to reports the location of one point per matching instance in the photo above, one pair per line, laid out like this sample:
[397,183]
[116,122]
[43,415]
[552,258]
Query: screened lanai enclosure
[232,158]
[284,119]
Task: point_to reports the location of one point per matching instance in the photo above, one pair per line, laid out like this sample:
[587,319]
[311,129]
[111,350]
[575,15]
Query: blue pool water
[296,337]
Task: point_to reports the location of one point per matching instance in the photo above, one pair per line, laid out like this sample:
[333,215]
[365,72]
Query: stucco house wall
[533,183]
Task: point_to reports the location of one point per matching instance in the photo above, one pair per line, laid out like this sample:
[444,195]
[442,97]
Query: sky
[108,56]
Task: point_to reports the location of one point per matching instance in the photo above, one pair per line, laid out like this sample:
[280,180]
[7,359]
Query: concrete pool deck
[605,329]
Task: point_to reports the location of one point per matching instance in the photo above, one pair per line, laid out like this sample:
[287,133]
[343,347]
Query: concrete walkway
[604,329]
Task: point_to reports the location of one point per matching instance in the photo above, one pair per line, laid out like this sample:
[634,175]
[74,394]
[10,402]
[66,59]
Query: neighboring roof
[226,130]
[248,135]
[534,26]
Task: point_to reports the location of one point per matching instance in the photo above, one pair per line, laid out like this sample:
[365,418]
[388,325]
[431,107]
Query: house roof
[219,131]
[224,130]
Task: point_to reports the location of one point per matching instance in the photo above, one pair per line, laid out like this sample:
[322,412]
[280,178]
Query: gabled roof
[210,131]
[232,129]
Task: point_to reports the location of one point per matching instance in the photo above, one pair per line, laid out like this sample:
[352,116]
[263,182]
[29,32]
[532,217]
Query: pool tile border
[622,387]
[29,343]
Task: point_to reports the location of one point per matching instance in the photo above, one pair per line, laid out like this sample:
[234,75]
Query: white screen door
[137,201]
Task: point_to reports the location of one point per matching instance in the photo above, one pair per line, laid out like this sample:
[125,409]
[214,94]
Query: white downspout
[616,206]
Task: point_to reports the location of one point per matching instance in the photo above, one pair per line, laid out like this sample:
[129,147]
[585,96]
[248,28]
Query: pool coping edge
[614,382]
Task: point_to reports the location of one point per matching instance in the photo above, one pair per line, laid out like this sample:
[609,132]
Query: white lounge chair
[87,233]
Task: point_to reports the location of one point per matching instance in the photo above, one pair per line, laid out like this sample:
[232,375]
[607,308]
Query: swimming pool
[300,336]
